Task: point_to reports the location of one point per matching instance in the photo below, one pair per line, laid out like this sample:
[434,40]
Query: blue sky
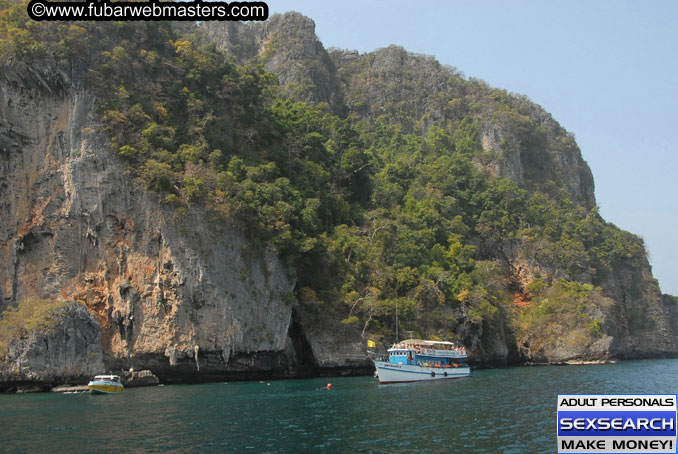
[607,71]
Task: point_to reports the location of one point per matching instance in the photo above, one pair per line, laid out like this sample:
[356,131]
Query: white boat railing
[443,353]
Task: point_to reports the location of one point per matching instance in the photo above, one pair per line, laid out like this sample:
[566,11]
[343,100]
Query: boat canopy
[428,347]
[107,377]
[420,345]
[425,342]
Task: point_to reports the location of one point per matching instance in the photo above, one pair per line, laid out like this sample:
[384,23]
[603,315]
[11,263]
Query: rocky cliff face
[65,353]
[637,320]
[173,292]
[645,322]
[287,46]
[537,160]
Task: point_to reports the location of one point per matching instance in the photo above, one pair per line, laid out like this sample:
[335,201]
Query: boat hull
[404,373]
[105,387]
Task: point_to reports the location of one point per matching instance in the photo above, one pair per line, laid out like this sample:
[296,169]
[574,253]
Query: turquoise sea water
[494,411]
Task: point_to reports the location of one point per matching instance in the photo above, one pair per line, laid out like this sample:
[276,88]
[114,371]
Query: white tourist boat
[420,360]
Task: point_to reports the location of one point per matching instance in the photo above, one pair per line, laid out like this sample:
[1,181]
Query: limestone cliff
[174,293]
[287,46]
[65,352]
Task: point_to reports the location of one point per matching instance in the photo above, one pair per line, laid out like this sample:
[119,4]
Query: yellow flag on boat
[371,344]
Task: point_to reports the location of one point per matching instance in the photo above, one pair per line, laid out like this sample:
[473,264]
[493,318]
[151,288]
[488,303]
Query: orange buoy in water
[329,386]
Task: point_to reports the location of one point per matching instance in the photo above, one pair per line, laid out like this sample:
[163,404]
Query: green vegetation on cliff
[378,208]
[29,316]
[563,316]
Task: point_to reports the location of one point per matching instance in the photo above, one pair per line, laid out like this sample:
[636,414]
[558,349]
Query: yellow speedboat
[105,384]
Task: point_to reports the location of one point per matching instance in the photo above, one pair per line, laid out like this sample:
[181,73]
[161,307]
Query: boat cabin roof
[425,342]
[107,377]
[419,346]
